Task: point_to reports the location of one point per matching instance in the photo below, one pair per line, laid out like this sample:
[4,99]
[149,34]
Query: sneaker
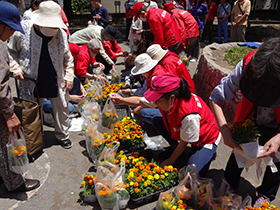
[261,199]
[66,144]
[193,59]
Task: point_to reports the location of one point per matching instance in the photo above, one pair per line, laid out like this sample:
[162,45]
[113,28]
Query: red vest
[186,24]
[157,71]
[163,27]
[245,108]
[173,65]
[208,132]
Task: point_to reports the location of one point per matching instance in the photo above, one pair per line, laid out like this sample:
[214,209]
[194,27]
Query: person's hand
[101,65]
[271,147]
[12,122]
[125,54]
[167,162]
[227,136]
[76,98]
[100,77]
[139,32]
[97,17]
[116,98]
[83,92]
[113,66]
[137,110]
[89,22]
[233,24]
[220,20]
[126,91]
[68,85]
[19,75]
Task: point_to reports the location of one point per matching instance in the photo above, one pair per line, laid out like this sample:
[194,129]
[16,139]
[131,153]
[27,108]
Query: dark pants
[208,29]
[271,181]
[128,24]
[196,48]
[108,67]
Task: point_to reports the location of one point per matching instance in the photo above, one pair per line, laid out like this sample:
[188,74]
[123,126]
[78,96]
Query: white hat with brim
[156,52]
[48,15]
[143,63]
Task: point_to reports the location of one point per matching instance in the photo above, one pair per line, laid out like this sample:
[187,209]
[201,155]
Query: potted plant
[88,187]
[245,133]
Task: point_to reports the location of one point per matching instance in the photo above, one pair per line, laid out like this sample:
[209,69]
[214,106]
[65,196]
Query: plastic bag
[116,78]
[106,195]
[123,195]
[205,193]
[97,71]
[96,145]
[17,153]
[108,119]
[107,157]
[88,185]
[91,110]
[166,200]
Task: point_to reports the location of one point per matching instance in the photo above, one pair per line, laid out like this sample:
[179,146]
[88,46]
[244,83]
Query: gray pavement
[61,171]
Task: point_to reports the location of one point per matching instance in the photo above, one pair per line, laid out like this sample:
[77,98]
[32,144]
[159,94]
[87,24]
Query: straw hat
[156,52]
[48,15]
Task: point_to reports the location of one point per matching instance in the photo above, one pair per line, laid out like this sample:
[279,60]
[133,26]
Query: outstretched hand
[116,98]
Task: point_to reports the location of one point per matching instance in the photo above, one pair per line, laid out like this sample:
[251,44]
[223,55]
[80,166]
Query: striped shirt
[198,12]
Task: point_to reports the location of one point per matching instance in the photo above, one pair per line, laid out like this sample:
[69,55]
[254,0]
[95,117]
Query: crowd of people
[40,46]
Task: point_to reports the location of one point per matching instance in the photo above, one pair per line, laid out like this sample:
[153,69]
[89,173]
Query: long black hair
[182,92]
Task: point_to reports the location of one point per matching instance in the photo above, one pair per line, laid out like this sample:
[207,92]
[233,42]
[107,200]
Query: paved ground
[60,172]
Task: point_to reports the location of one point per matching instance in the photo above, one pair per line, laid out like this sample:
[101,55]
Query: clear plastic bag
[107,157]
[108,119]
[116,78]
[96,145]
[106,195]
[91,110]
[98,70]
[166,200]
[17,153]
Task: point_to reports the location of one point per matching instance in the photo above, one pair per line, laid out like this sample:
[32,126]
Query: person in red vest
[186,24]
[172,63]
[113,50]
[84,57]
[208,29]
[257,76]
[188,120]
[164,29]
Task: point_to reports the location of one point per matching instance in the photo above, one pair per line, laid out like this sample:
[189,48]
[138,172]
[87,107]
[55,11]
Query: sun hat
[111,33]
[161,84]
[10,16]
[136,1]
[168,6]
[156,52]
[263,91]
[48,15]
[143,63]
[94,44]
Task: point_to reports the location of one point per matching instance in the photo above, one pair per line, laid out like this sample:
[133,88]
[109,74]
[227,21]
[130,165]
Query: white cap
[156,52]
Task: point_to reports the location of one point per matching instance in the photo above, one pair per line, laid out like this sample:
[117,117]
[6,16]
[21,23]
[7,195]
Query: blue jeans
[223,27]
[201,157]
[47,106]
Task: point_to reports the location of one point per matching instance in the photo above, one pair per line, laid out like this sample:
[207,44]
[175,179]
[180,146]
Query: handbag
[17,153]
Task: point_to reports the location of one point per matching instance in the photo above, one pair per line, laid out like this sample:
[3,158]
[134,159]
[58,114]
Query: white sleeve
[148,103]
[190,126]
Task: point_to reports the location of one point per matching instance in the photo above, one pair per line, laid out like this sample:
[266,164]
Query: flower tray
[122,110]
[149,198]
[137,148]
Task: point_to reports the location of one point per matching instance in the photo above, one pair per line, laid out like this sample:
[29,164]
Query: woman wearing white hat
[42,53]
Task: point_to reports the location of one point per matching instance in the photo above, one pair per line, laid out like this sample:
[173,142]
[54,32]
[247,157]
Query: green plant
[80,6]
[88,184]
[244,131]
[236,54]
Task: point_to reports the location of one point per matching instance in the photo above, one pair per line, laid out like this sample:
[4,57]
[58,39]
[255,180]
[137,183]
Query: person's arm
[205,19]
[130,101]
[271,147]
[6,101]
[156,27]
[68,63]
[104,18]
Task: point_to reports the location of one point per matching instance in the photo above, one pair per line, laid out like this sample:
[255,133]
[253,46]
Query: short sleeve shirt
[198,12]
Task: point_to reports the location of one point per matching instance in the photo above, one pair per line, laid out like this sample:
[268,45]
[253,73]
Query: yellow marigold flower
[121,152]
[162,176]
[180,201]
[131,183]
[145,184]
[148,182]
[131,174]
[83,183]
[145,174]
[150,177]
[156,176]
[166,174]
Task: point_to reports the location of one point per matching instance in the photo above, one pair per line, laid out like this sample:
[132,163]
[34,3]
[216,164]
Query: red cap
[74,49]
[163,83]
[169,6]
[136,8]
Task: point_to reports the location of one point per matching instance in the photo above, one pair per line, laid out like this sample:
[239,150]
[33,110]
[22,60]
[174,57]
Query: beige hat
[143,63]
[156,52]
[48,15]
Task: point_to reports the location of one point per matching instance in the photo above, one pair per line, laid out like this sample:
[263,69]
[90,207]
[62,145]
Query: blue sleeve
[205,9]
[104,16]
[225,91]
[189,5]
[126,5]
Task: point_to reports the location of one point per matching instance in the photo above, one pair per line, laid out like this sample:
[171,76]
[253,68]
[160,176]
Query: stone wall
[209,74]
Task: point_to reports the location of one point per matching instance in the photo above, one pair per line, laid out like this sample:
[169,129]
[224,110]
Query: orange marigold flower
[136,190]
